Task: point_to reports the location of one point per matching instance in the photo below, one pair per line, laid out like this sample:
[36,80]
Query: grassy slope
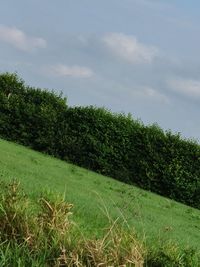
[90,193]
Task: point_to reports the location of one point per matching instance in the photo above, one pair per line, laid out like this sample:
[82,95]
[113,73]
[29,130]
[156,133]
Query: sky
[132,56]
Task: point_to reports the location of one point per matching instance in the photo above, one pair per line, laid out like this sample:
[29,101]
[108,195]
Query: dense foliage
[112,144]
[28,115]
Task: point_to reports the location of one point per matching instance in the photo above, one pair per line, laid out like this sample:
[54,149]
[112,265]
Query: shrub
[115,145]
[28,115]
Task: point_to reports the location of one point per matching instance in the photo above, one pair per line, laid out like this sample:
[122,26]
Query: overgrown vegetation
[43,234]
[112,144]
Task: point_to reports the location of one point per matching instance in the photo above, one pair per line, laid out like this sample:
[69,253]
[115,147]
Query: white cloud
[73,71]
[19,39]
[128,48]
[187,87]
[150,93]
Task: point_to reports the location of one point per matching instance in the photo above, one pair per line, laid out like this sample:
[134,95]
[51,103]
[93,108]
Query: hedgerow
[112,144]
[29,115]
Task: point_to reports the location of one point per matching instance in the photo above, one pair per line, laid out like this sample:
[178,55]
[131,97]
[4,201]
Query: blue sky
[137,56]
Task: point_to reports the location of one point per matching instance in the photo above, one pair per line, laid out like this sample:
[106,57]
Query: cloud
[72,71]
[128,48]
[19,39]
[186,87]
[152,94]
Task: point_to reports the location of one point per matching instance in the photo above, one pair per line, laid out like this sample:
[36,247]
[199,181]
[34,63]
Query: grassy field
[94,196]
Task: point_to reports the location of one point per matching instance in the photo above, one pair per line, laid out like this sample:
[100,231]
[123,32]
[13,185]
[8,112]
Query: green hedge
[112,144]
[29,115]
[120,147]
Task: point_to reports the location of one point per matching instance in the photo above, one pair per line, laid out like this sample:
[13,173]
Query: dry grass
[14,218]
[43,234]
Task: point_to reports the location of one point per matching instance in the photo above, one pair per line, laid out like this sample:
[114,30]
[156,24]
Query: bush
[29,116]
[112,144]
[118,146]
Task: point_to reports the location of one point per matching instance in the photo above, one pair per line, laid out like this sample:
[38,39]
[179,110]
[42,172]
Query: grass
[155,219]
[42,233]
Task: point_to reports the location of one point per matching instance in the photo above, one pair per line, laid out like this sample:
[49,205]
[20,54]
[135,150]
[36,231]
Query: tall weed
[43,234]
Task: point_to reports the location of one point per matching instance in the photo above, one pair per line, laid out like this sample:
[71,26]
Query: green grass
[93,195]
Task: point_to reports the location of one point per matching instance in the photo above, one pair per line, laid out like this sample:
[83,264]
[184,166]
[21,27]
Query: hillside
[93,194]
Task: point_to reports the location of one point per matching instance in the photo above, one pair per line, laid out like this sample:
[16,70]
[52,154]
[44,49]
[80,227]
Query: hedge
[111,144]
